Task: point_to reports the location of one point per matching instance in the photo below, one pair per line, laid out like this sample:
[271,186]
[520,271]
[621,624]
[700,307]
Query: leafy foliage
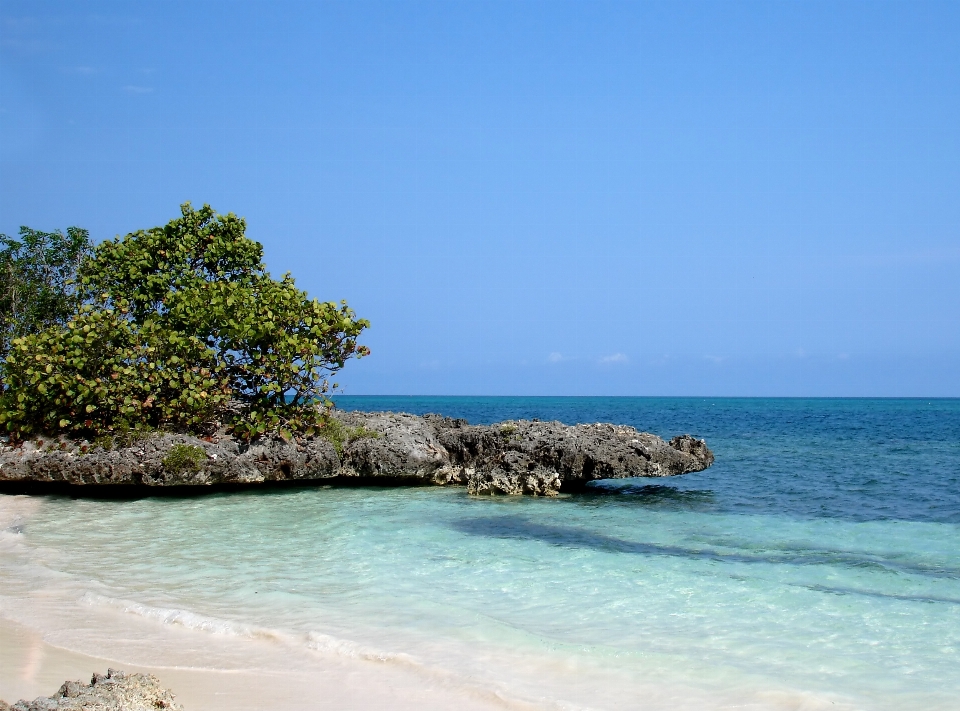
[37,280]
[182,328]
[103,373]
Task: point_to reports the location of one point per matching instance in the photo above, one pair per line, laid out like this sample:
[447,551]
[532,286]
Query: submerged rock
[113,691]
[516,457]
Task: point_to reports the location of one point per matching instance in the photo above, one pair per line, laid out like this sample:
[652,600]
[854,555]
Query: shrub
[184,457]
[340,435]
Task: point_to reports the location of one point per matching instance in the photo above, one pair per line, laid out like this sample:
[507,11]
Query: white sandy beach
[31,667]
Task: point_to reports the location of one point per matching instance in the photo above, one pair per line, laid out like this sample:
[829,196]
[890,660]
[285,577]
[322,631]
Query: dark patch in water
[657,495]
[521,527]
[873,593]
[133,492]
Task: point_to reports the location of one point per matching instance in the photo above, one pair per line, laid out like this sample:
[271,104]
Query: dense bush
[178,323]
[102,373]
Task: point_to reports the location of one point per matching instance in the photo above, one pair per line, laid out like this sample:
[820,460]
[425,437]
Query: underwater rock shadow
[647,495]
[521,527]
[885,596]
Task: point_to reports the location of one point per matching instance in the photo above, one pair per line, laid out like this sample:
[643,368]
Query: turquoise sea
[815,565]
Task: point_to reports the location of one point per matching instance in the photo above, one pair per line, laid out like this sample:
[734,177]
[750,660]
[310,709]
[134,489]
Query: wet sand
[31,667]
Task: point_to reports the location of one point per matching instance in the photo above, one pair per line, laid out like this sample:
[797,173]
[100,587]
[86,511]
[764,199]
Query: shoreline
[786,578]
[55,628]
[128,492]
[32,667]
[48,635]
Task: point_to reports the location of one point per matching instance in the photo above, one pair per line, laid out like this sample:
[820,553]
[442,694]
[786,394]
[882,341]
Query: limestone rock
[516,457]
[402,447]
[113,691]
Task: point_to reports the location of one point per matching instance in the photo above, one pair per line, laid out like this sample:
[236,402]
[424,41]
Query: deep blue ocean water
[854,459]
[815,565]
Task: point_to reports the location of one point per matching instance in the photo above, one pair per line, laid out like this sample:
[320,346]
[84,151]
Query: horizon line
[686,397]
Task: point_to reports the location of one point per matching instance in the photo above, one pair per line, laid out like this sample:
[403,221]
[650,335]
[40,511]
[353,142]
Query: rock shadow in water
[521,527]
[653,495]
[886,596]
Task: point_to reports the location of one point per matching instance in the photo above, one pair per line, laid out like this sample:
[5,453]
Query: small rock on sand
[113,691]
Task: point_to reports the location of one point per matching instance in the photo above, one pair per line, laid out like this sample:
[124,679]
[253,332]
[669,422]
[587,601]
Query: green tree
[37,280]
[197,283]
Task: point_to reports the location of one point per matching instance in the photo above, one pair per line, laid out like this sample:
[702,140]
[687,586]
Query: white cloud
[615,358]
[555,357]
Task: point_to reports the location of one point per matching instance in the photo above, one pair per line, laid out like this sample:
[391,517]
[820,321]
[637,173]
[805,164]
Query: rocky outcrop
[516,457]
[113,691]
[544,457]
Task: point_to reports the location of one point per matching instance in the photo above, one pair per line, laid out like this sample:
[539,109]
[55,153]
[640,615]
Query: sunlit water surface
[816,564]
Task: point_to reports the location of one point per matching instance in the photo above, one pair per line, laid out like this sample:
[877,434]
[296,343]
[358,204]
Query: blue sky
[613,198]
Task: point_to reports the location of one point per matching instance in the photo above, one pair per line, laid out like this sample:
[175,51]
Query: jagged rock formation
[516,457]
[114,691]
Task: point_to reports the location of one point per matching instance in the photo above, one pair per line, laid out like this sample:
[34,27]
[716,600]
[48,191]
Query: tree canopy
[37,280]
[181,327]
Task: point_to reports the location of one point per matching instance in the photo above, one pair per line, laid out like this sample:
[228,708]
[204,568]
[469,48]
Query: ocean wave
[328,644]
[183,618]
[316,641]
[322,643]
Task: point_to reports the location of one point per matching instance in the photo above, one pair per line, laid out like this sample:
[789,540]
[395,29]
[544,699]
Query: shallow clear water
[817,563]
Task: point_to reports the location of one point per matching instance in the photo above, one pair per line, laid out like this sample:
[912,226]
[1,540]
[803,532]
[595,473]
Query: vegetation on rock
[340,435]
[179,327]
[184,458]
